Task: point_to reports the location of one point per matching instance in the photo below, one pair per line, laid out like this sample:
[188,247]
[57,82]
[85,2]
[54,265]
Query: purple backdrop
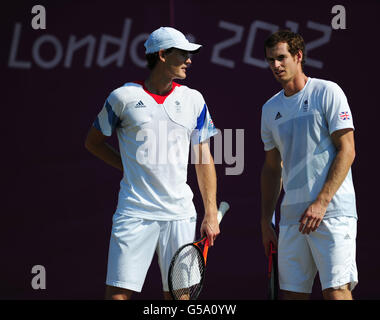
[58,200]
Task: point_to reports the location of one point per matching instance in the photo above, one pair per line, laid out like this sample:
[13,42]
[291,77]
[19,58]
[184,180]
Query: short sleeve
[266,133]
[108,118]
[205,127]
[337,111]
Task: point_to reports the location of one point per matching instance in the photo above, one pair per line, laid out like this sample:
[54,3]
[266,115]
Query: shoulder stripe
[107,120]
[201,118]
[96,124]
[113,119]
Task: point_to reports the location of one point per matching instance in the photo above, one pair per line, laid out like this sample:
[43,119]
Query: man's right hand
[268,236]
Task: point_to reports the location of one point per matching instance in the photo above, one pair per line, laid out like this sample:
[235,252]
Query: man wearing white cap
[156,120]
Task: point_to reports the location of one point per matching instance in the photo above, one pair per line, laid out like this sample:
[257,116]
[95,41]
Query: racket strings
[187,273]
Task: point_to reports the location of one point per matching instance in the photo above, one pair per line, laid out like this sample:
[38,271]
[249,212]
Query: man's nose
[276,64]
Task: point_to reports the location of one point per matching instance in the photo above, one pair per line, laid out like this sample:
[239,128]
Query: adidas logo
[278,116]
[140,104]
[305,106]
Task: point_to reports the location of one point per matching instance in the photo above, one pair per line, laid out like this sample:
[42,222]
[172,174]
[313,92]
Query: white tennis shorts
[330,250]
[132,246]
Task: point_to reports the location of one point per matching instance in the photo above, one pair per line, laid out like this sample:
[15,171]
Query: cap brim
[190,47]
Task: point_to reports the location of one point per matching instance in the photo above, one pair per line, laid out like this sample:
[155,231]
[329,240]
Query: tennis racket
[188,266]
[272,272]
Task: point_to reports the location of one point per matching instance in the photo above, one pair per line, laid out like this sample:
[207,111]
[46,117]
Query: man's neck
[295,85]
[158,84]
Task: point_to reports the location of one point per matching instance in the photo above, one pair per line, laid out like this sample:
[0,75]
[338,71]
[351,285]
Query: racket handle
[223,208]
[205,251]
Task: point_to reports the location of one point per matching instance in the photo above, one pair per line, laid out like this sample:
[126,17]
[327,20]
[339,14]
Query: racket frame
[223,208]
[203,262]
[273,284]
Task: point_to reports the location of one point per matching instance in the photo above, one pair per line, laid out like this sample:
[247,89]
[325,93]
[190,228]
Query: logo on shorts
[278,116]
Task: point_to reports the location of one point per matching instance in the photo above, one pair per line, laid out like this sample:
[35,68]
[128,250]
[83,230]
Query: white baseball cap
[167,37]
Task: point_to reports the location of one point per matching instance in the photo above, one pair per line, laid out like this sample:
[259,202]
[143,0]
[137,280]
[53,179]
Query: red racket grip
[205,250]
[272,250]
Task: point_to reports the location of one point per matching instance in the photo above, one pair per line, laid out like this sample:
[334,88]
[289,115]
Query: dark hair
[152,58]
[294,40]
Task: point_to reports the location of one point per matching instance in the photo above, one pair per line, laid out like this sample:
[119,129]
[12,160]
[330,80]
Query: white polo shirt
[154,134]
[300,126]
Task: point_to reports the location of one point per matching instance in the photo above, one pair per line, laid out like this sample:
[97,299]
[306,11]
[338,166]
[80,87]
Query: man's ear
[161,55]
[299,56]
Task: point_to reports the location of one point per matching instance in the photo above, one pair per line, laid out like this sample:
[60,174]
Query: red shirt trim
[158,98]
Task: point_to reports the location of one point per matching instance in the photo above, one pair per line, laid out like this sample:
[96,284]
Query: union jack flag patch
[344,115]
